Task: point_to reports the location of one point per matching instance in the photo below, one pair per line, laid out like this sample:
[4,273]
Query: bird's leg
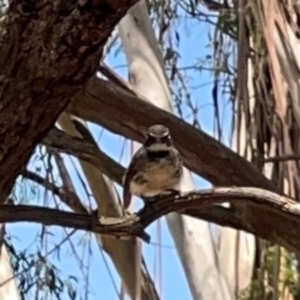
[148,201]
[166,195]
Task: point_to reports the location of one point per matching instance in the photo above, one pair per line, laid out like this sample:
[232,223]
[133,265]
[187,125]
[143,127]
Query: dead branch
[278,220]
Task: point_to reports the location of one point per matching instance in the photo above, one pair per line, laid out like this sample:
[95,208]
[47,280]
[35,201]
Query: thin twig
[66,195]
[282,158]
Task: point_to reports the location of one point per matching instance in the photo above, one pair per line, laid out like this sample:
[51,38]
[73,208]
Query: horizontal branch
[48,216]
[282,224]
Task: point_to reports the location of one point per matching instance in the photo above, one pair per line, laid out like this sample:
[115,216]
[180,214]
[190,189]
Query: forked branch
[277,218]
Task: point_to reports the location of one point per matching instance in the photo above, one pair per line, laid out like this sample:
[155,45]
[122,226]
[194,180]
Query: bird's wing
[131,171]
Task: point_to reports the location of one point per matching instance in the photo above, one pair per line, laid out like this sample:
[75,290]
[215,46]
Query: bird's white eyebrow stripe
[159,135]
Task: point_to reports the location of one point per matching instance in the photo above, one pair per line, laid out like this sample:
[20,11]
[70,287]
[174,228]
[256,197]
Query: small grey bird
[155,169]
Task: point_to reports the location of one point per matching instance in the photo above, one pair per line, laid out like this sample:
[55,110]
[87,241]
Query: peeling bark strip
[48,49]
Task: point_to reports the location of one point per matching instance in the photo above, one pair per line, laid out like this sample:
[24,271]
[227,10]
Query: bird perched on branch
[155,169]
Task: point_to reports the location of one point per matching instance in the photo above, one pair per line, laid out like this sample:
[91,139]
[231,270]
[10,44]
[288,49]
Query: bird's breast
[156,176]
[161,169]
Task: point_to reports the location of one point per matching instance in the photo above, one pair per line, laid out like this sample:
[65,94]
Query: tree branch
[119,111]
[82,149]
[47,52]
[282,224]
[86,151]
[67,196]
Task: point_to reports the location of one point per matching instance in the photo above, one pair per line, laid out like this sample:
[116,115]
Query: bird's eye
[149,141]
[166,140]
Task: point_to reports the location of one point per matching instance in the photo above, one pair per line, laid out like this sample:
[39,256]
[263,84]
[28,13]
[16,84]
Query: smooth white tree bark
[122,252]
[192,237]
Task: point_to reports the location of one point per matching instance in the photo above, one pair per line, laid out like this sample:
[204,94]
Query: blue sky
[103,279]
